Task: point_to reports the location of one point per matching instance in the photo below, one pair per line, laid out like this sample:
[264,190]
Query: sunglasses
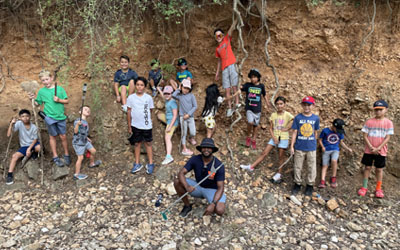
[167,93]
[219,36]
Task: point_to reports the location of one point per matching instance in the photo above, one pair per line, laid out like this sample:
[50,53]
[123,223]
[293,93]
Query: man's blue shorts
[57,127]
[22,150]
[201,192]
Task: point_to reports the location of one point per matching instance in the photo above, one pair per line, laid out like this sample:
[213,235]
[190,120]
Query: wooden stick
[8,148]
[40,139]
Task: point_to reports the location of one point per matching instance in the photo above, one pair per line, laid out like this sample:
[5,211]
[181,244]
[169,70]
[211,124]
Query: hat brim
[380,107]
[311,103]
[215,149]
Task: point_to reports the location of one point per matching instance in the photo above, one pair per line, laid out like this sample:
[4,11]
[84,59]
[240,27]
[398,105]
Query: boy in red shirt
[377,132]
[226,62]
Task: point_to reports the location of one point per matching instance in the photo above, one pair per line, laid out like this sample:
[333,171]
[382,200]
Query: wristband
[215,203]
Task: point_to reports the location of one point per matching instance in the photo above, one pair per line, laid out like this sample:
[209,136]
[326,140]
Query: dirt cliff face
[312,47]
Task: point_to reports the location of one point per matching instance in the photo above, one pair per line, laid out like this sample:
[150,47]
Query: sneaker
[9,180]
[167,160]
[124,108]
[253,145]
[276,179]
[67,160]
[96,164]
[333,182]
[248,141]
[154,92]
[229,113]
[247,167]
[58,162]
[187,152]
[309,190]
[185,211]
[238,105]
[192,141]
[379,193]
[149,168]
[322,184]
[296,189]
[136,167]
[362,191]
[80,176]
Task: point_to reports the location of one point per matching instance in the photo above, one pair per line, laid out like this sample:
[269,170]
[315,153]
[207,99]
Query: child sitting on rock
[81,142]
[280,124]
[183,73]
[187,107]
[170,118]
[212,102]
[28,140]
[155,76]
[124,81]
[329,139]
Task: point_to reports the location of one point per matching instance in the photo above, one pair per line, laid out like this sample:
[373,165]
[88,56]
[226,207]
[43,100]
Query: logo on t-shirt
[333,138]
[306,130]
[254,96]
[212,175]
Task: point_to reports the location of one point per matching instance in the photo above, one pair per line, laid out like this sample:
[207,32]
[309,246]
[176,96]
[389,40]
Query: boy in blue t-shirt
[304,145]
[182,74]
[124,81]
[329,140]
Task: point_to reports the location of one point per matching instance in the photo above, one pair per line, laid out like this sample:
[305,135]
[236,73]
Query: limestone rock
[60,172]
[32,168]
[269,200]
[171,189]
[332,204]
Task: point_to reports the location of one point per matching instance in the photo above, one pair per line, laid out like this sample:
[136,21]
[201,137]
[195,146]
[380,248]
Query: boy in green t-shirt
[54,99]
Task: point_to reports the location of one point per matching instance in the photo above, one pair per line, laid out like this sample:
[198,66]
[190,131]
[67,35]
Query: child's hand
[79,123]
[32,96]
[276,141]
[28,152]
[130,130]
[216,77]
[292,150]
[168,128]
[375,150]
[186,116]
[118,98]
[323,149]
[56,99]
[14,120]
[266,106]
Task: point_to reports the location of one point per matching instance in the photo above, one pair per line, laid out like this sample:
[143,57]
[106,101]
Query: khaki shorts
[163,119]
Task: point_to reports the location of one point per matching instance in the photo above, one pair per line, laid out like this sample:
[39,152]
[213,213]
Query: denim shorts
[327,156]
[201,192]
[282,143]
[57,127]
[80,150]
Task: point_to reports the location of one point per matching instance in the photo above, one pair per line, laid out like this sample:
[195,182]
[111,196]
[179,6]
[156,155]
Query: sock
[378,185]
[365,183]
[276,177]
[10,174]
[168,156]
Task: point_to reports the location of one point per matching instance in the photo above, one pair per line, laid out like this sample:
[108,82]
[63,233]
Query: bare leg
[282,158]
[379,174]
[211,131]
[255,131]
[78,164]
[37,148]
[64,144]
[249,129]
[264,154]
[228,95]
[92,155]
[53,146]
[137,152]
[16,156]
[334,168]
[168,143]
[367,171]
[237,96]
[323,172]
[123,94]
[180,190]
[149,150]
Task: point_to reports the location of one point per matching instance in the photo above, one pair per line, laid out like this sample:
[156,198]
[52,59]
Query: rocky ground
[114,209]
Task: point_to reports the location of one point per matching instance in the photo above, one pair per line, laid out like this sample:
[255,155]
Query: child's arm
[321,144]
[294,135]
[175,94]
[194,106]
[387,138]
[9,131]
[174,85]
[217,72]
[368,142]
[76,127]
[232,96]
[345,146]
[159,91]
[174,117]
[232,27]
[128,117]
[57,99]
[29,150]
[288,126]
[271,131]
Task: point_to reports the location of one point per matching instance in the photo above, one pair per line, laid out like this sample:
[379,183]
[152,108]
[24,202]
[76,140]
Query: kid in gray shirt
[187,107]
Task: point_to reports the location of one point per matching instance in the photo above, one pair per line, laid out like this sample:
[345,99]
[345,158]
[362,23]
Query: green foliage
[169,70]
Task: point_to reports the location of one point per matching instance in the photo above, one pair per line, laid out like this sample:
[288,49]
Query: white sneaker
[247,167]
[276,177]
[229,113]
[238,105]
[167,160]
[124,108]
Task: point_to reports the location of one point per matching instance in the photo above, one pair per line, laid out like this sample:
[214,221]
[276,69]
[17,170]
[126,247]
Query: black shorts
[140,135]
[379,161]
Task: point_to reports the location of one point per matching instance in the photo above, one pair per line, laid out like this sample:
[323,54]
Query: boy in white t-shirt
[140,126]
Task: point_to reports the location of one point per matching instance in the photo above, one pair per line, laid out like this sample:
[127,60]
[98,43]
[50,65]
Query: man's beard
[206,156]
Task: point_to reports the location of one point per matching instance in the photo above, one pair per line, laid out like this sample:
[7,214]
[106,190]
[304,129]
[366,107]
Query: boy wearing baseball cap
[377,132]
[329,140]
[304,145]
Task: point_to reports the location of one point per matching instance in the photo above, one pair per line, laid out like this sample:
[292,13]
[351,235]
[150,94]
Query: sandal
[362,191]
[379,193]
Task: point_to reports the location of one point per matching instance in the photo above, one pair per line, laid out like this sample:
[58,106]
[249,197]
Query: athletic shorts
[229,77]
[209,121]
[171,132]
[57,128]
[23,150]
[253,118]
[282,143]
[80,150]
[140,135]
[120,86]
[327,156]
[201,192]
[378,161]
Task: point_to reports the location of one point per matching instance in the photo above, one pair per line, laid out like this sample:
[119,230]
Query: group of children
[180,106]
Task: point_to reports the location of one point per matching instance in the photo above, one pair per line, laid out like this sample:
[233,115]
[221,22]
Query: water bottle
[159,199]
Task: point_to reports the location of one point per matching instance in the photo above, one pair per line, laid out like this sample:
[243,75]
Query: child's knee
[63,137]
[92,151]
[148,143]
[379,170]
[16,156]
[80,158]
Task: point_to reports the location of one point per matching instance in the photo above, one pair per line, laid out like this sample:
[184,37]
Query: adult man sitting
[211,188]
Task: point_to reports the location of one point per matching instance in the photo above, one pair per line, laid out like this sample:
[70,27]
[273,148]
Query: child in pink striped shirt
[377,132]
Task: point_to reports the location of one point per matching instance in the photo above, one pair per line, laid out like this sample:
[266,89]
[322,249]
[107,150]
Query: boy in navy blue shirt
[329,140]
[304,145]
[123,81]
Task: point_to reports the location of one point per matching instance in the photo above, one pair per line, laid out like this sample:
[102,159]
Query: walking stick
[5,158]
[84,89]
